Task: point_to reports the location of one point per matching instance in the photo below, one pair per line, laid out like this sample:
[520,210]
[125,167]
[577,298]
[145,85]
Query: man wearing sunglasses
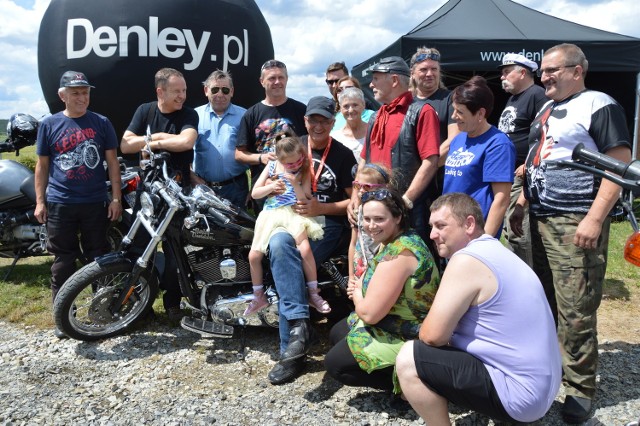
[214,162]
[276,113]
[334,73]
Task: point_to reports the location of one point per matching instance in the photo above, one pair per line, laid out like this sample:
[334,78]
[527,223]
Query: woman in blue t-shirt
[481,158]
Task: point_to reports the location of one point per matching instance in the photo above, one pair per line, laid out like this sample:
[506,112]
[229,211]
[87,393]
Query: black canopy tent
[473,35]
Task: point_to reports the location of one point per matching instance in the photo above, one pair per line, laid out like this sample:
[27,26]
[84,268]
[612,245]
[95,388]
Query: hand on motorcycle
[40,213]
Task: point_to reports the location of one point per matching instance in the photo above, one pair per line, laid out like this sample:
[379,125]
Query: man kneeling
[489,341]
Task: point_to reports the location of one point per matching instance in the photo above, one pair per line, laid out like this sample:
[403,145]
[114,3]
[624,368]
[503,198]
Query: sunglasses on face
[332,82]
[272,63]
[378,195]
[215,90]
[366,186]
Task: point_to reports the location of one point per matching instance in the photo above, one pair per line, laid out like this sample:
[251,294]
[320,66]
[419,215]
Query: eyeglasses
[340,89]
[378,195]
[366,186]
[424,56]
[215,90]
[553,70]
[332,82]
[272,63]
[314,122]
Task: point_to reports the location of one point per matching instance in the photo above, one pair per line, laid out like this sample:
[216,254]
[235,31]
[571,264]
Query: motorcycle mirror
[632,249]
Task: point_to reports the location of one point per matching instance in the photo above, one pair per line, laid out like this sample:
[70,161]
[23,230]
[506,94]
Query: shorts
[460,378]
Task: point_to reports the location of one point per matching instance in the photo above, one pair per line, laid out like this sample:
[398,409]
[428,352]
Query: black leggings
[342,366]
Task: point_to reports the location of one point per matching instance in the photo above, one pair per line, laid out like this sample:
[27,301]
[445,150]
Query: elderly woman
[354,131]
[481,158]
[344,83]
[391,299]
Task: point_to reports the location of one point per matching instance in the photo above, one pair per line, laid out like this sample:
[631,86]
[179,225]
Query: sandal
[317,302]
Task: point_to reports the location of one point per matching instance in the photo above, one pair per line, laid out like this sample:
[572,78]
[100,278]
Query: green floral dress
[376,346]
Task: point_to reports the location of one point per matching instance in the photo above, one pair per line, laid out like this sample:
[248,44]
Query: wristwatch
[115,200]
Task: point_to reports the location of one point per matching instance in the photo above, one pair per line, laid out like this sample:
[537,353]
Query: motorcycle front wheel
[83,306]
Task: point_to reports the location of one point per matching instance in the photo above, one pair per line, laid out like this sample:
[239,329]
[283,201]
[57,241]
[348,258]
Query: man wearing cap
[274,114]
[569,213]
[174,129]
[403,136]
[426,84]
[214,162]
[71,192]
[331,186]
[526,100]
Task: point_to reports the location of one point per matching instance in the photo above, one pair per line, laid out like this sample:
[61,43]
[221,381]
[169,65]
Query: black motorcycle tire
[81,309]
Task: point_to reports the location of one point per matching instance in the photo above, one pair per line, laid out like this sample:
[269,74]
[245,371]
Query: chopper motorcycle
[21,235]
[211,239]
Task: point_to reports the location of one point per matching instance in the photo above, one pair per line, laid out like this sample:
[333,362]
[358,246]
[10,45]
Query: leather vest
[405,159]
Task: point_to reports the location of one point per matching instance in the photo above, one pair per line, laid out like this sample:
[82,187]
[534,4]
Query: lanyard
[315,175]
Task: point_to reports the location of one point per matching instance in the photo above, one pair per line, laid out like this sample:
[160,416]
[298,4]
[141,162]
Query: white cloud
[307,35]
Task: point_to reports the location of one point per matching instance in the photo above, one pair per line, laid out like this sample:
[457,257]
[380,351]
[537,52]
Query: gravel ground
[159,375]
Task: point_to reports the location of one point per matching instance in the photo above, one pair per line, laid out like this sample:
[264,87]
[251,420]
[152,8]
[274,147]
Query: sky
[350,31]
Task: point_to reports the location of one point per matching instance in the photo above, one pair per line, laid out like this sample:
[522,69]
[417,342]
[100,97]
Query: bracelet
[260,159]
[407,201]
[115,200]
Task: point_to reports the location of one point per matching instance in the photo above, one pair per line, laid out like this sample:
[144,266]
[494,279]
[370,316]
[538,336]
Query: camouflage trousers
[572,279]
[521,246]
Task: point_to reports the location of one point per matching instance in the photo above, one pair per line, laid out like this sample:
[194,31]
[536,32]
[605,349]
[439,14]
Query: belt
[228,181]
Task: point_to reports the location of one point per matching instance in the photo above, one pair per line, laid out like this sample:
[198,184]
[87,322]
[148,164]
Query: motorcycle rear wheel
[82,306]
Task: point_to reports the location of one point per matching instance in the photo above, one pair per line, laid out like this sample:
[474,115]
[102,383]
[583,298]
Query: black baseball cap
[393,65]
[74,79]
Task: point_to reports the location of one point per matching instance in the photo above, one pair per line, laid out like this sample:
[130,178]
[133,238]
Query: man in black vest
[405,136]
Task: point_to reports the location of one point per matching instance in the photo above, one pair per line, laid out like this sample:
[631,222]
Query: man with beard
[526,100]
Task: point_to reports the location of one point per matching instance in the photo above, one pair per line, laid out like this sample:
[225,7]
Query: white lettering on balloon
[169,42]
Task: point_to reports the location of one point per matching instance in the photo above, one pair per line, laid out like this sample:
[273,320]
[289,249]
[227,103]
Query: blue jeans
[286,267]
[237,192]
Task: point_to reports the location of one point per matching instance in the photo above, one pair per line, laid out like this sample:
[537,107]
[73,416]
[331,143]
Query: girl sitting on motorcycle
[284,182]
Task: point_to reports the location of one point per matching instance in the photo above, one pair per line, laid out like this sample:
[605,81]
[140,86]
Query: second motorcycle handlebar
[630,171]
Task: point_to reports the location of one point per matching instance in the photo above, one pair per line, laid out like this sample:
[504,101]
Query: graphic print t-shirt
[75,147]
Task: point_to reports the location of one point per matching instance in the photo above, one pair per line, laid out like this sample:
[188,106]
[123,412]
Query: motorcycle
[211,239]
[626,175]
[21,235]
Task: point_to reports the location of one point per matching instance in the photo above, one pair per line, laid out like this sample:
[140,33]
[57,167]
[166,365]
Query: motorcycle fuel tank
[12,175]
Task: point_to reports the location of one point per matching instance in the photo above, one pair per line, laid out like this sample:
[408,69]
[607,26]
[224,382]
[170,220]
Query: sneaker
[258,303]
[317,302]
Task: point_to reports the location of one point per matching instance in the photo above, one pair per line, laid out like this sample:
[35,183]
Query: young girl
[285,181]
[361,250]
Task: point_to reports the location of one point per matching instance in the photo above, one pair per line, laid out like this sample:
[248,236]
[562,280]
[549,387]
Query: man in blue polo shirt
[214,162]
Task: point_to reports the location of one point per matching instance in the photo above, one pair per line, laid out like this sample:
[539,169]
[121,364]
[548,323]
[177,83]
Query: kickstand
[13,265]
[242,352]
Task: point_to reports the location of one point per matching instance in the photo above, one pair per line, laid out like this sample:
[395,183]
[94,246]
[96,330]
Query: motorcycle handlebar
[7,146]
[629,171]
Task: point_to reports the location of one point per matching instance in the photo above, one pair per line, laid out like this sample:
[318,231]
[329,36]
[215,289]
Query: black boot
[299,340]
[285,371]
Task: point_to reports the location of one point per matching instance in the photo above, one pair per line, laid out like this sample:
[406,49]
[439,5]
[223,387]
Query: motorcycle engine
[216,263]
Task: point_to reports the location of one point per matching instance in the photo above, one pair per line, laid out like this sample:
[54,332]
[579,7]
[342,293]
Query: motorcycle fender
[111,258]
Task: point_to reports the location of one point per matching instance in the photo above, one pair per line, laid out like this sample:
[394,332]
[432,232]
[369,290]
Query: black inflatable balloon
[120,44]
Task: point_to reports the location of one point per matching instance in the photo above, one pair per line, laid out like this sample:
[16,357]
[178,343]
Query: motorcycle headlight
[146,204]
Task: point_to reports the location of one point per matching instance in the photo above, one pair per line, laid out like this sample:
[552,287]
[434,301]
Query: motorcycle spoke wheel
[84,306]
